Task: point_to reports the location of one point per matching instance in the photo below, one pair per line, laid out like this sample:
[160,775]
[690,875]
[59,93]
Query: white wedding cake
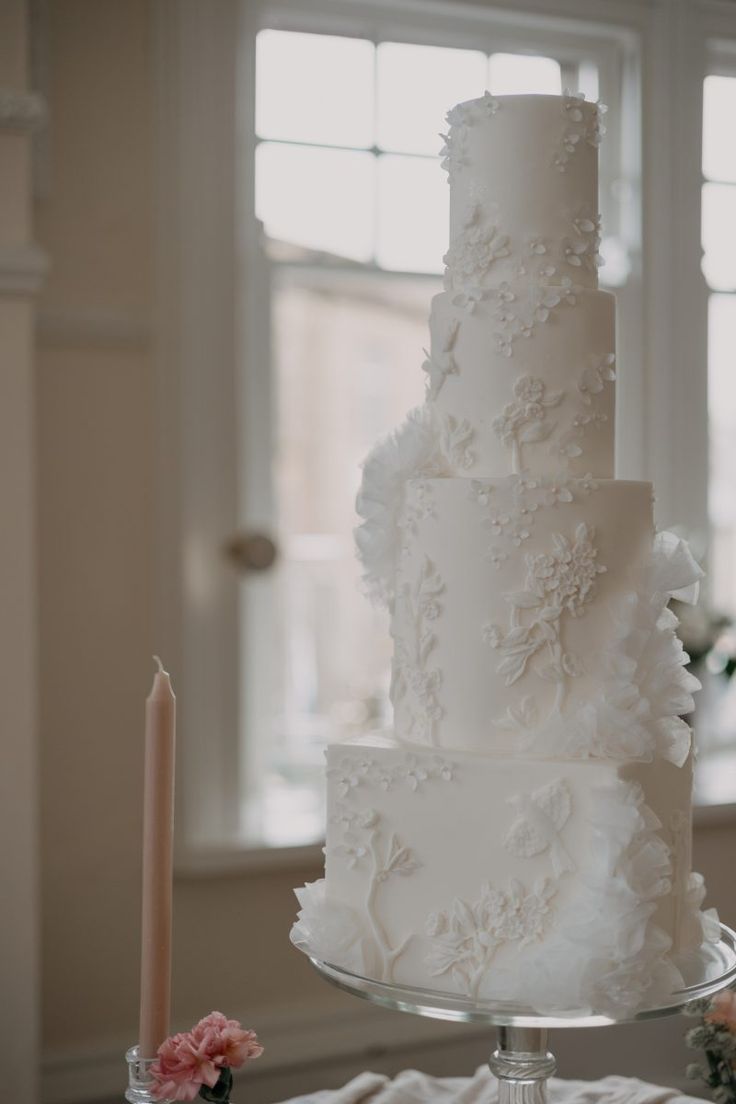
[524,833]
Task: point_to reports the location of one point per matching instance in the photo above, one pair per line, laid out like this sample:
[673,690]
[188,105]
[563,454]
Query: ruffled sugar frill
[608,953]
[332,932]
[410,450]
[646,689]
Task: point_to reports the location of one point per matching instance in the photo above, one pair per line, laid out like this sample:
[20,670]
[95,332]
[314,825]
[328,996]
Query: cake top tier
[523,176]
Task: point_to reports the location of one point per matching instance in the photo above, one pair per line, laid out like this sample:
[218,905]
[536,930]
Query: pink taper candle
[158,842]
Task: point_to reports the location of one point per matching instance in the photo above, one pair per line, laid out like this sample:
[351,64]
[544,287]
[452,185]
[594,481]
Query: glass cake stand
[521,1061]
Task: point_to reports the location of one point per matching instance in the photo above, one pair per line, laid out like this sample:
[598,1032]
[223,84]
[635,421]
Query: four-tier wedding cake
[524,833]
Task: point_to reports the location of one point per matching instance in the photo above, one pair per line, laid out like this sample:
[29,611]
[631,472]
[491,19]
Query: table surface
[413,1087]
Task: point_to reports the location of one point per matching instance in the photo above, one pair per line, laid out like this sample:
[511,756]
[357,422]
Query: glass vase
[140,1082]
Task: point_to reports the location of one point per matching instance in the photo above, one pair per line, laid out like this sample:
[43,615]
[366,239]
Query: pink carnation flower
[723,1010]
[194,1058]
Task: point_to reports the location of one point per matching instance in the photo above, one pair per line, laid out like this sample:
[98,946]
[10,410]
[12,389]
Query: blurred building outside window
[354,208]
[717,707]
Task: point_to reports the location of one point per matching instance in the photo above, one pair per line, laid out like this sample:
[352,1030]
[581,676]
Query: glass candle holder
[140,1082]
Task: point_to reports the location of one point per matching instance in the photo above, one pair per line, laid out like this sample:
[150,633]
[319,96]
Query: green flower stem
[220,1092]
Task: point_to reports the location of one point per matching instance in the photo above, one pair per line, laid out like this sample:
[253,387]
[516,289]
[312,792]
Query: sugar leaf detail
[540,818]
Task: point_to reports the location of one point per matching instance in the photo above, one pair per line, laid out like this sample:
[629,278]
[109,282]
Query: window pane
[319,198]
[413,214]
[722,422]
[347,367]
[417,85]
[587,81]
[511,73]
[722,406]
[719,235]
[314,88]
[719,113]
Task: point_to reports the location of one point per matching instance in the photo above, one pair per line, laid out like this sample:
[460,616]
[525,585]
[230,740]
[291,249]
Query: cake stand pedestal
[521,1061]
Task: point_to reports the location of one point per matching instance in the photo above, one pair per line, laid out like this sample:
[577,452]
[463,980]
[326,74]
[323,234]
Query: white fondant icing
[557,537]
[606,927]
[568,351]
[548,860]
[504,169]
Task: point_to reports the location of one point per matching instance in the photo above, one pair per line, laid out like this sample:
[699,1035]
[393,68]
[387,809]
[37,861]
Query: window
[719,268]
[354,208]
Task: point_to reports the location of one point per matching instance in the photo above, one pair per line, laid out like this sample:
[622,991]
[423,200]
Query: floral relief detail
[600,371]
[587,414]
[512,523]
[517,718]
[473,251]
[441,363]
[362,841]
[480,492]
[468,299]
[352,854]
[524,420]
[488,105]
[414,682]
[459,118]
[454,151]
[419,506]
[386,857]
[455,438]
[540,818]
[513,322]
[557,583]
[581,127]
[412,771]
[581,253]
[465,937]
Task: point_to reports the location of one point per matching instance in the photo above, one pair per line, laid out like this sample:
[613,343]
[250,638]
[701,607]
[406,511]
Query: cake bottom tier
[563,885]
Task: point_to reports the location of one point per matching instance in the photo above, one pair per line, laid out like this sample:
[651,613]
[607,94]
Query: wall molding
[20,111]
[115,329]
[23,269]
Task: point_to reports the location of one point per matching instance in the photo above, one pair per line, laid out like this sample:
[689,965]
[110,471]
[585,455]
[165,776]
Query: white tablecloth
[412,1087]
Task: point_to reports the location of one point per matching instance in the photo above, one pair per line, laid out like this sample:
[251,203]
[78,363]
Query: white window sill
[212,862]
[714,816]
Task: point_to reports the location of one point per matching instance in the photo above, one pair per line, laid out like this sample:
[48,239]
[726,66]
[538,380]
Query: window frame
[211,298]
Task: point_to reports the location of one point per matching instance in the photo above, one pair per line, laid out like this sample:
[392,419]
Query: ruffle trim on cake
[331,932]
[411,450]
[647,690]
[607,954]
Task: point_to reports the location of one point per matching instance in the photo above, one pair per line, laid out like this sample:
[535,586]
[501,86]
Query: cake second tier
[509,599]
[523,382]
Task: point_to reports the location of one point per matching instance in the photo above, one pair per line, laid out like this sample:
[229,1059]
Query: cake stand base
[521,1061]
[522,1064]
